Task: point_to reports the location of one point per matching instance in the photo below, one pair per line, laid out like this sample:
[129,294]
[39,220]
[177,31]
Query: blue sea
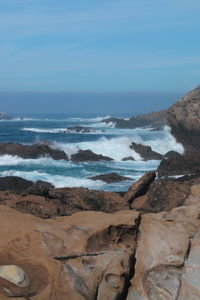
[104,139]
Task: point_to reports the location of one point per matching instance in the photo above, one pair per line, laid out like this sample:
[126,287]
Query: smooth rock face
[146,152]
[15,275]
[184,120]
[164,255]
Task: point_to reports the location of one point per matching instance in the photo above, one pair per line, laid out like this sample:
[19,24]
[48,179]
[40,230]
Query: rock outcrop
[4,116]
[166,194]
[83,129]
[184,120]
[45,149]
[110,178]
[146,152]
[139,188]
[157,119]
[32,151]
[86,256]
[188,163]
[88,155]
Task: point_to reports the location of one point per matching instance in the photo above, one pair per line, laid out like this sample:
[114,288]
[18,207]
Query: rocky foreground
[60,244]
[81,244]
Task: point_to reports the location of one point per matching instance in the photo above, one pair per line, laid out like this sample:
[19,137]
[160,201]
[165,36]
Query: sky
[105,50]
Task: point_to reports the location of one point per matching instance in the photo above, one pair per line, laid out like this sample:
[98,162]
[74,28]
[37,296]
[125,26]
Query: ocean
[104,139]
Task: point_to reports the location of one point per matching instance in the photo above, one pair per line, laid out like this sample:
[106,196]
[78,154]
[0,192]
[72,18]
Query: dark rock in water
[140,187]
[88,155]
[166,194]
[4,116]
[157,119]
[40,188]
[83,129]
[184,120]
[128,158]
[32,151]
[188,163]
[171,154]
[110,178]
[14,184]
[146,152]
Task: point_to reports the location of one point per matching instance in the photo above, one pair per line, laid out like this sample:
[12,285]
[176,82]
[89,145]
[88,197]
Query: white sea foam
[10,160]
[97,119]
[165,143]
[56,180]
[61,130]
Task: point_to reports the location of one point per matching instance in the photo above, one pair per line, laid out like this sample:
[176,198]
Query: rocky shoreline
[81,244]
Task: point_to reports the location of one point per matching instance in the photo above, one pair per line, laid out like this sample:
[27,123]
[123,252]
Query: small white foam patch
[97,119]
[61,130]
[57,180]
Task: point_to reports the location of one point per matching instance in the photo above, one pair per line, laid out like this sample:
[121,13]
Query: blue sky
[99,46]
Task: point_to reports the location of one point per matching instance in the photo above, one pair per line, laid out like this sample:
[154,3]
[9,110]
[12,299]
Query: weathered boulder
[188,163]
[140,187]
[40,188]
[146,152]
[110,177]
[184,120]
[171,154]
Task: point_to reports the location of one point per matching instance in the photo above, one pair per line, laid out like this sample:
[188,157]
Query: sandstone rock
[188,163]
[163,247]
[146,152]
[88,155]
[110,177]
[140,187]
[79,257]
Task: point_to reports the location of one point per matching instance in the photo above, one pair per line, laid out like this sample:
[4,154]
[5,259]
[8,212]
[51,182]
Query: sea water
[104,139]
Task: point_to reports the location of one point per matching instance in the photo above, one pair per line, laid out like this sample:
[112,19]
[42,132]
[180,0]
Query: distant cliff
[184,119]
